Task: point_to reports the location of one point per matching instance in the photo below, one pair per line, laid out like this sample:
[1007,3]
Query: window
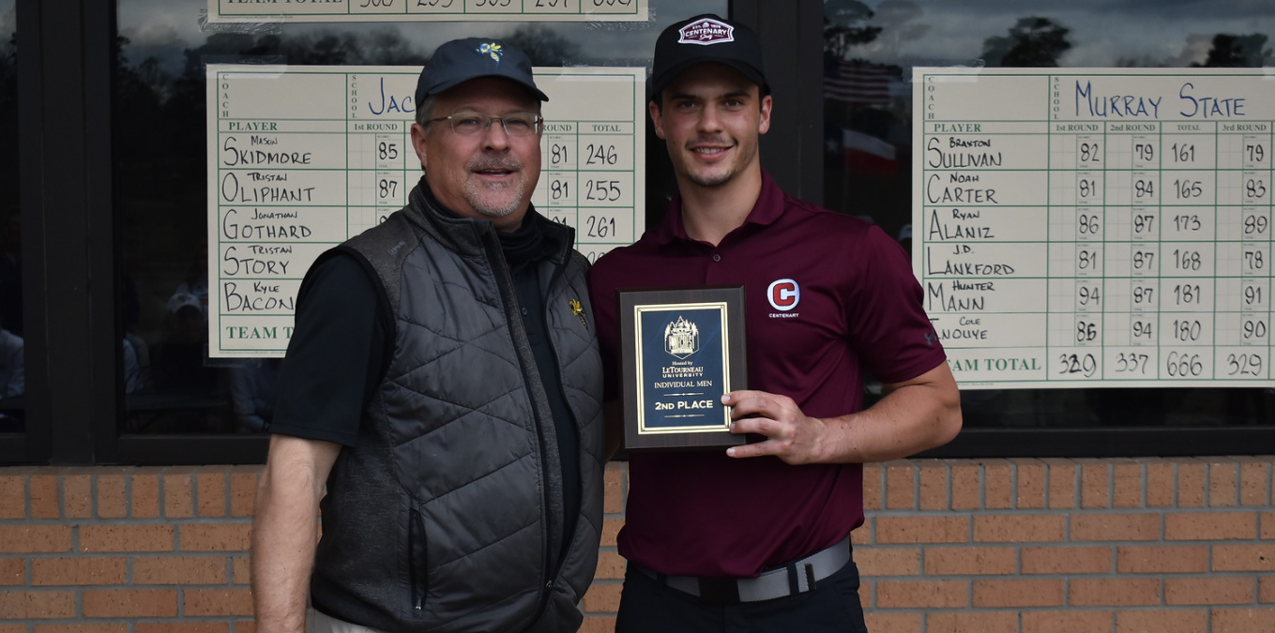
[12,356]
[169,384]
[870,48]
[110,157]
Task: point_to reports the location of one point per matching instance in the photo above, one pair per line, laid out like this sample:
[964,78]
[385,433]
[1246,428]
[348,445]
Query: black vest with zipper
[448,515]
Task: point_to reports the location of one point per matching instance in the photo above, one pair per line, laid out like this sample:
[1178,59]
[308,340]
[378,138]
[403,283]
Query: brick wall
[986,546]
[1048,546]
[125,550]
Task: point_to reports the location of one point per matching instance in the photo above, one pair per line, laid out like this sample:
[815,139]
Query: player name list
[1093,227]
[301,159]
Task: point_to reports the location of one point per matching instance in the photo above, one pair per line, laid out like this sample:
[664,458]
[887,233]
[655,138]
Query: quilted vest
[448,515]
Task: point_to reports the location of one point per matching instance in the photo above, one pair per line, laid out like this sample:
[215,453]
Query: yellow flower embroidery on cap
[493,50]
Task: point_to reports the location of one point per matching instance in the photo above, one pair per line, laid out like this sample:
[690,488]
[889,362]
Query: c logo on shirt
[783,294]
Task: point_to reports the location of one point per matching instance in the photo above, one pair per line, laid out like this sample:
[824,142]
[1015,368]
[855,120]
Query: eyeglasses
[516,124]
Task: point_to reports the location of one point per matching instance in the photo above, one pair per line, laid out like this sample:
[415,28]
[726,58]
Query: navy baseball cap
[706,38]
[458,61]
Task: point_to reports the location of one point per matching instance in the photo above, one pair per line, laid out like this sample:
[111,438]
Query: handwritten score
[302,158]
[1096,227]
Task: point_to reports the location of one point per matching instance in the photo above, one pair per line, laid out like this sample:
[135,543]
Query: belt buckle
[718,590]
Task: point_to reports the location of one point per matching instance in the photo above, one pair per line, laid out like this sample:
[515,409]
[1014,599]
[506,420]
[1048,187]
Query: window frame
[70,255]
[74,396]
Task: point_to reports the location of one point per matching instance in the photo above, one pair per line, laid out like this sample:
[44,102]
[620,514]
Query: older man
[443,382]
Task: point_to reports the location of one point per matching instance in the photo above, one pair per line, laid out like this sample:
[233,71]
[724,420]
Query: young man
[758,534]
[443,382]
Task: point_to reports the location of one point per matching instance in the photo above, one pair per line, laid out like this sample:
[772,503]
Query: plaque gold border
[728,302]
[723,314]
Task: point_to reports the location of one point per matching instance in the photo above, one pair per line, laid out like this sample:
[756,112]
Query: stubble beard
[715,180]
[711,179]
[487,199]
[496,200]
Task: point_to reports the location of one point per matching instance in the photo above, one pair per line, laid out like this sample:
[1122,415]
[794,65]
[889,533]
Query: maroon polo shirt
[829,298]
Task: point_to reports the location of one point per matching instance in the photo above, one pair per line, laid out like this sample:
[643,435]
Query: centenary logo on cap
[492,49]
[705,32]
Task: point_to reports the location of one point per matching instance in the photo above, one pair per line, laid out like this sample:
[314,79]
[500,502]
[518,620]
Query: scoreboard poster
[302,158]
[1096,227]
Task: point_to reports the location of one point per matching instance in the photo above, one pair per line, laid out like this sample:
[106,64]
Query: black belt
[796,577]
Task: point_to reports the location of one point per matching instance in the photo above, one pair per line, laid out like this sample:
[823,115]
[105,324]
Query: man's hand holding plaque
[681,350]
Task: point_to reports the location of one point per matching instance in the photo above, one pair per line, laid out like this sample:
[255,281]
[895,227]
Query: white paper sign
[302,158]
[1096,227]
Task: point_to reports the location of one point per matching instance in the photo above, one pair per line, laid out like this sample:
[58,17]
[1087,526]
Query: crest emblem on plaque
[681,338]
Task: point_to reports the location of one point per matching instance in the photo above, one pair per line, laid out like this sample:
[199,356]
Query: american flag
[868,155]
[858,82]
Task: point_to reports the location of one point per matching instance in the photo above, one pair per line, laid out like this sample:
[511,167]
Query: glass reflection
[12,372]
[170,383]
[870,47]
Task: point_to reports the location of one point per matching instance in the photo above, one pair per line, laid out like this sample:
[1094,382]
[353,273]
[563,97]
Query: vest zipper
[551,572]
[418,561]
[509,297]
[568,522]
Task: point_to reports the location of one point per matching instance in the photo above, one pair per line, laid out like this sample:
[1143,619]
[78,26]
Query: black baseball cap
[458,61]
[706,38]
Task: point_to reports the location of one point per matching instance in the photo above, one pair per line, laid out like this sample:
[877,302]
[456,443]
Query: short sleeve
[889,327]
[334,358]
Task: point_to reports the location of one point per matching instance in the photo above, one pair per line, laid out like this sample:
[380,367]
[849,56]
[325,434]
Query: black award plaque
[681,350]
